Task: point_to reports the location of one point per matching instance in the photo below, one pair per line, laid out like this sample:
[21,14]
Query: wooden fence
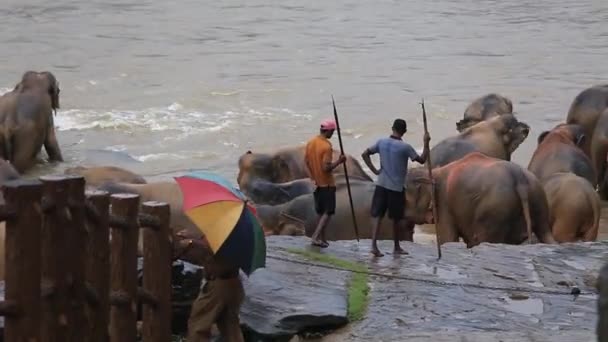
[67,280]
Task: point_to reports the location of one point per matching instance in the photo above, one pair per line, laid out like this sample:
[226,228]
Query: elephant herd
[481,195]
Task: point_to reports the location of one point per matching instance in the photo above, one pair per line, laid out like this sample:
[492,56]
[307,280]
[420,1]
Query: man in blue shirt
[389,194]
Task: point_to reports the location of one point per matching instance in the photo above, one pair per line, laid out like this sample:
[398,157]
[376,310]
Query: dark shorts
[325,200]
[388,200]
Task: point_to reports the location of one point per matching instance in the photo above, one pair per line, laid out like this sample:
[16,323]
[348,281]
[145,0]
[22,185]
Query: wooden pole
[123,269]
[430,168]
[56,257]
[76,246]
[157,274]
[350,197]
[22,258]
[98,264]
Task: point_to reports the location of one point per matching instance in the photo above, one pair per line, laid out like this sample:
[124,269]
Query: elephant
[162,191]
[574,207]
[298,216]
[602,305]
[261,191]
[560,150]
[97,175]
[496,137]
[599,154]
[285,165]
[585,110]
[27,120]
[481,199]
[483,108]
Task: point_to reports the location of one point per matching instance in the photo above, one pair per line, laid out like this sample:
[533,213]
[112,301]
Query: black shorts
[385,199]
[325,200]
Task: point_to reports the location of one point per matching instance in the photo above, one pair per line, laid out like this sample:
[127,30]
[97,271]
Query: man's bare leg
[397,224]
[375,228]
[320,227]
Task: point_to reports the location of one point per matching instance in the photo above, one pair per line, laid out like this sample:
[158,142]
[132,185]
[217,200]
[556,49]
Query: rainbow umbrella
[228,222]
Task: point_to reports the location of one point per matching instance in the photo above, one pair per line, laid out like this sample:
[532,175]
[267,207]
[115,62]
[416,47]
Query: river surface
[193,84]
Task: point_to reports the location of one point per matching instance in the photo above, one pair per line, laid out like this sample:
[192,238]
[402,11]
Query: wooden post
[55,256]
[22,258]
[157,274]
[76,246]
[123,269]
[98,264]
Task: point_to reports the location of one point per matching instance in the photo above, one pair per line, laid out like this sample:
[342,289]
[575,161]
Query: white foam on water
[161,156]
[182,122]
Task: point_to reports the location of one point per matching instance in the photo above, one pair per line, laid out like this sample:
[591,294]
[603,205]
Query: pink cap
[328,124]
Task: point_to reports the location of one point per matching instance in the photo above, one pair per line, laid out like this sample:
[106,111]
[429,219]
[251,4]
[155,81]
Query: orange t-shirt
[319,152]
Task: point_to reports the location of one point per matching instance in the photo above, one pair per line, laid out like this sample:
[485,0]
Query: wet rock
[284,299]
[602,305]
[490,291]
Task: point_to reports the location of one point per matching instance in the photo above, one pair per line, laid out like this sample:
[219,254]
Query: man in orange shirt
[320,166]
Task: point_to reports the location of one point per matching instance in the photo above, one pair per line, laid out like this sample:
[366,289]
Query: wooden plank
[98,265]
[123,267]
[22,257]
[157,274]
[55,258]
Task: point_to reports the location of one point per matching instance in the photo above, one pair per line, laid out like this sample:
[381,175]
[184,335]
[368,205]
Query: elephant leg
[51,145]
[445,229]
[564,229]
[24,153]
[408,231]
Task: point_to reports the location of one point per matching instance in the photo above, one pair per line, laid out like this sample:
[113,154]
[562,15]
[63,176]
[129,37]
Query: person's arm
[368,161]
[425,151]
[328,165]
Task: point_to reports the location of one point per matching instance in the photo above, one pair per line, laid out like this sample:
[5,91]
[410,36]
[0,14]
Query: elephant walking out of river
[26,117]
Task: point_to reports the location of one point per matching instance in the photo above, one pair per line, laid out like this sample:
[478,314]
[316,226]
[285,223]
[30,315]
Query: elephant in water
[484,108]
[574,207]
[26,116]
[298,216]
[560,150]
[586,109]
[286,165]
[97,175]
[496,137]
[480,199]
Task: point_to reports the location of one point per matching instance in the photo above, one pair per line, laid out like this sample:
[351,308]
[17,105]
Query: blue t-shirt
[394,157]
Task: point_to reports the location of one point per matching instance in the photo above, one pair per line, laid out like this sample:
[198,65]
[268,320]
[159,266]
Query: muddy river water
[189,84]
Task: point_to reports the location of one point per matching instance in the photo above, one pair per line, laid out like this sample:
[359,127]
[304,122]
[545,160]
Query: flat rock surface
[488,293]
[285,299]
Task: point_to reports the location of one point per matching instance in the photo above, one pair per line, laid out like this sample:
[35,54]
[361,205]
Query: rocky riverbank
[517,293]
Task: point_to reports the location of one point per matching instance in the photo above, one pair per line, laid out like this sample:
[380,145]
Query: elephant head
[513,132]
[419,205]
[41,80]
[484,108]
[272,168]
[573,133]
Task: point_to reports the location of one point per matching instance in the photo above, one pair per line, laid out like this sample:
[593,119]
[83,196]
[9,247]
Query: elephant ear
[542,137]
[53,89]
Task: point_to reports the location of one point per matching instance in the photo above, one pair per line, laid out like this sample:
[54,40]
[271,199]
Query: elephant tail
[522,192]
[591,234]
